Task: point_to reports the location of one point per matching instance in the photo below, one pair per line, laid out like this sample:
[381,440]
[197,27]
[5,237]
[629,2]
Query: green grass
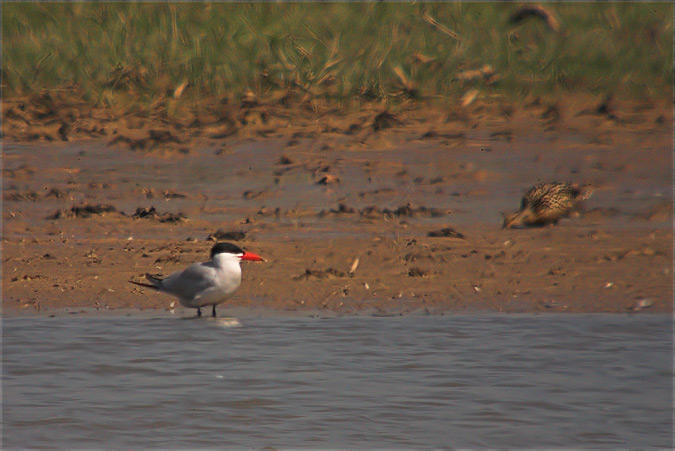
[110,52]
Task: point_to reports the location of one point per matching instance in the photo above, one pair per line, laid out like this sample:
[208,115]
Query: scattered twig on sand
[355,265]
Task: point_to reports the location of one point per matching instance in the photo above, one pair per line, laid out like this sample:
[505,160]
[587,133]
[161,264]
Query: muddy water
[475,180]
[76,381]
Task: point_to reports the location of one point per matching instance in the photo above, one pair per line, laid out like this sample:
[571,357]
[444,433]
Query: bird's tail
[156,282]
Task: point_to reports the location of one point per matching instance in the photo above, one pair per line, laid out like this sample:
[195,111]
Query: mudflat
[357,212]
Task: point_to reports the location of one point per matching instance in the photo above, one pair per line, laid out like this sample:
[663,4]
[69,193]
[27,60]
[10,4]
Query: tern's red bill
[250,256]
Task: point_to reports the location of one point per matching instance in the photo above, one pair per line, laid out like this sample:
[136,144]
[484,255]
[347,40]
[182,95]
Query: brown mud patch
[357,212]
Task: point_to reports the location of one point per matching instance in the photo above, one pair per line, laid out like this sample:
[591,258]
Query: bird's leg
[199,311]
[214,310]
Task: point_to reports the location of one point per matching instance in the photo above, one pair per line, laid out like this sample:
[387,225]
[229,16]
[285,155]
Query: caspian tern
[208,283]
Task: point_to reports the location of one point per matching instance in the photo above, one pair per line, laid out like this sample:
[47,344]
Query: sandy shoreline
[312,193]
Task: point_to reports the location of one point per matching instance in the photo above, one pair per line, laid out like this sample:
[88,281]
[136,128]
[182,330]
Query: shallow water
[458,380]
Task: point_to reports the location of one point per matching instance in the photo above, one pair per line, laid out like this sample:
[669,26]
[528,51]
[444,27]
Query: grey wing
[190,282]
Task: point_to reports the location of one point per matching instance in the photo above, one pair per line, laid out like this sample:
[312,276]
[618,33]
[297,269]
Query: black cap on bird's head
[229,248]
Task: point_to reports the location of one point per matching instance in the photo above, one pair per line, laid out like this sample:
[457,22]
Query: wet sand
[345,206]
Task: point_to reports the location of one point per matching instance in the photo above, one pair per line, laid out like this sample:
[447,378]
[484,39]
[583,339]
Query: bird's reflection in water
[220,322]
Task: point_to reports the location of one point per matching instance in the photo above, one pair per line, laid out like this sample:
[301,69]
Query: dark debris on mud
[221,235]
[448,232]
[152,213]
[30,196]
[83,211]
[329,273]
[417,272]
[409,211]
[91,210]
[154,138]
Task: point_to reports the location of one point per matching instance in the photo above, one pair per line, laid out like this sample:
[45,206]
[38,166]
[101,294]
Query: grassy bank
[112,53]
